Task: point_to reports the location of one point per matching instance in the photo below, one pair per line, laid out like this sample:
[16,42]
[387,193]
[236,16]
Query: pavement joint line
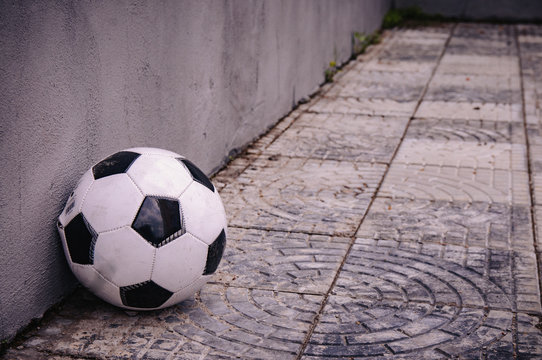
[266,289]
[325,159]
[337,234]
[528,156]
[391,298]
[463,245]
[316,319]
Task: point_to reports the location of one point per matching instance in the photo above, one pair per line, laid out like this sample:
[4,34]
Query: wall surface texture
[80,80]
[515,10]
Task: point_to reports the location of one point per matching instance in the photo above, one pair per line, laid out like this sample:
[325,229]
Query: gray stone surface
[366,226]
[449,222]
[456,184]
[302,194]
[337,137]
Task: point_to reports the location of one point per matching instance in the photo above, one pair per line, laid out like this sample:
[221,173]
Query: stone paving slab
[475,144]
[467,88]
[400,92]
[410,49]
[356,106]
[510,157]
[456,184]
[303,195]
[384,64]
[358,77]
[505,66]
[436,31]
[221,322]
[416,304]
[477,81]
[474,131]
[279,261]
[536,173]
[534,133]
[454,223]
[538,225]
[484,31]
[470,111]
[467,45]
[341,137]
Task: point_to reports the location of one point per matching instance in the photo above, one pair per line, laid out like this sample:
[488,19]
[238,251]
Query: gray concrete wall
[82,79]
[523,10]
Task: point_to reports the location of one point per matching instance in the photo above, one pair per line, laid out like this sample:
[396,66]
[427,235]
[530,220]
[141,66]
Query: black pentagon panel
[159,220]
[145,295]
[80,238]
[214,254]
[197,174]
[117,163]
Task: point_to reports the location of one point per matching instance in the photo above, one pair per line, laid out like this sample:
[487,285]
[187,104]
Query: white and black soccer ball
[144,229]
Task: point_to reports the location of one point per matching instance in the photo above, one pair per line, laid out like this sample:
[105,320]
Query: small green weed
[361,41]
[331,71]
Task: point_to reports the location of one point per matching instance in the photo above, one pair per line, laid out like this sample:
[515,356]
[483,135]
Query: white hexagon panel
[111,202]
[96,283]
[179,263]
[123,257]
[203,212]
[159,175]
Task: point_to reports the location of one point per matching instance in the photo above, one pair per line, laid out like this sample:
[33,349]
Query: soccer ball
[144,229]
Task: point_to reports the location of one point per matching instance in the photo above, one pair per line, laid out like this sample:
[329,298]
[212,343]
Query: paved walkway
[394,214]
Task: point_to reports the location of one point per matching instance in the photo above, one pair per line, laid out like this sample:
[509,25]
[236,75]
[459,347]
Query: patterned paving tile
[470,111]
[478,81]
[357,106]
[425,302]
[475,131]
[220,322]
[384,64]
[359,77]
[530,43]
[480,89]
[409,49]
[475,144]
[506,66]
[538,225]
[341,137]
[388,90]
[455,223]
[463,45]
[529,344]
[463,154]
[536,172]
[296,194]
[533,99]
[280,261]
[446,183]
[534,134]
[484,31]
[438,31]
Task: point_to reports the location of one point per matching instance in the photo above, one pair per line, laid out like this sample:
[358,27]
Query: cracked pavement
[395,215]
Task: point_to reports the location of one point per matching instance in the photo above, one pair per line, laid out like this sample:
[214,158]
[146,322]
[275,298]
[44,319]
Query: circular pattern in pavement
[396,302]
